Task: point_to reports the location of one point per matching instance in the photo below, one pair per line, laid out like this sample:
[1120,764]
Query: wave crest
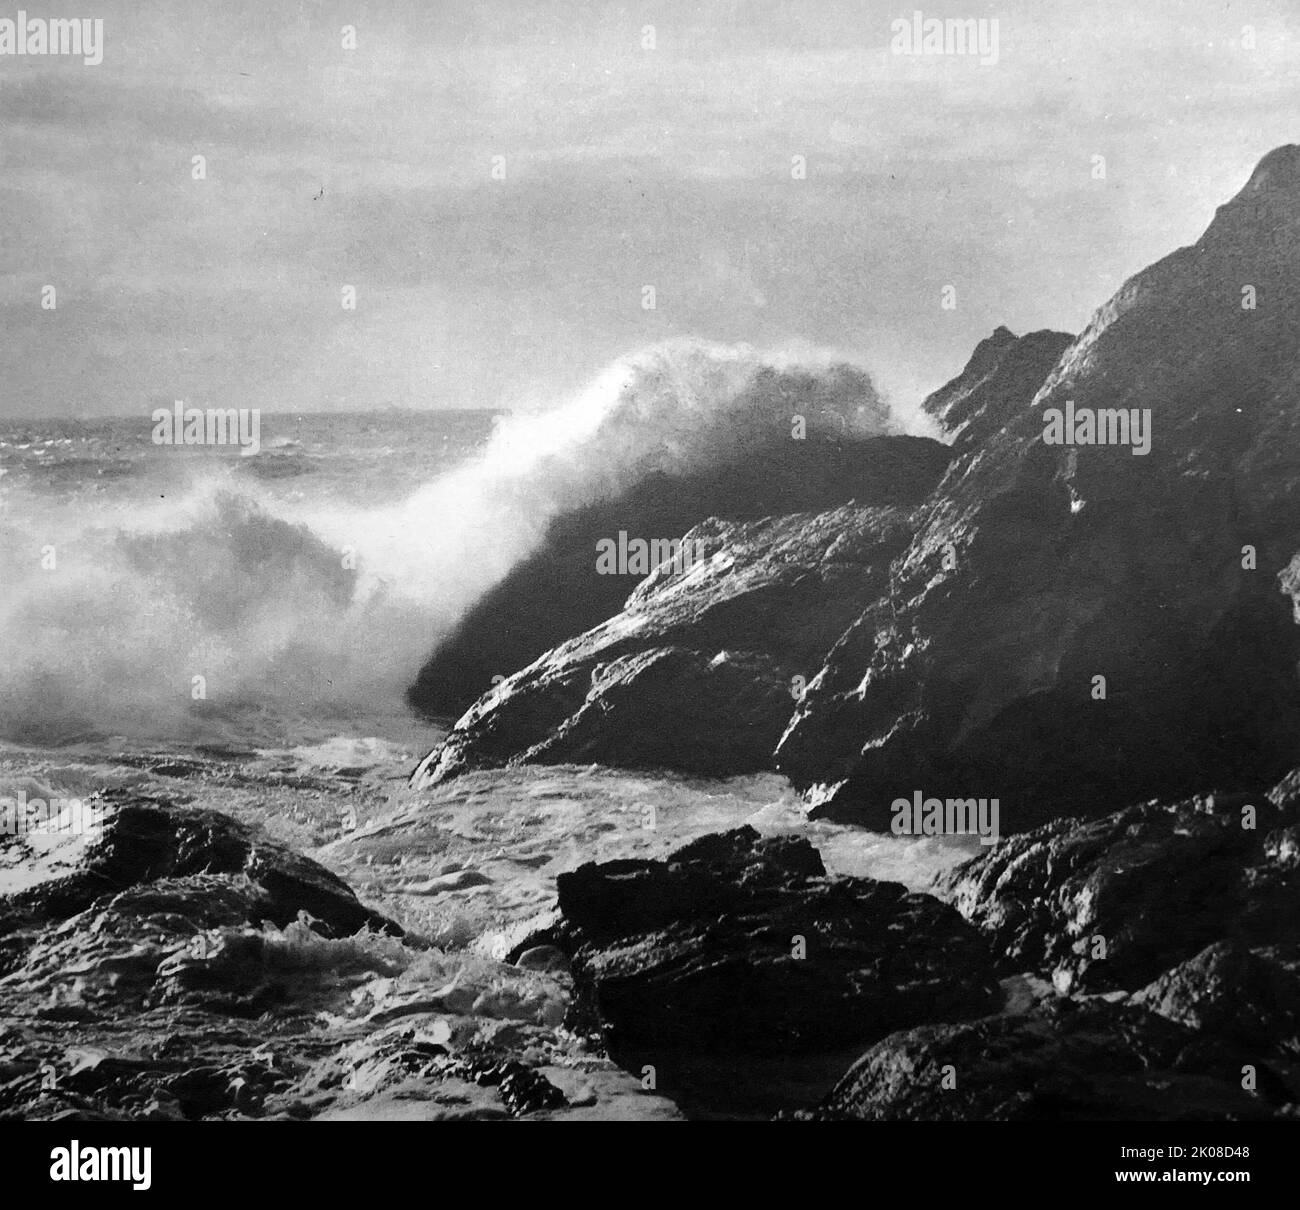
[329,611]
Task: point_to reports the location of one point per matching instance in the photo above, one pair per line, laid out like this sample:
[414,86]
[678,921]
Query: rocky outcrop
[175,964]
[740,945]
[1002,376]
[1048,633]
[1153,974]
[697,673]
[1077,624]
[792,442]
[1251,996]
[156,904]
[1111,903]
[1065,1061]
[143,855]
[682,963]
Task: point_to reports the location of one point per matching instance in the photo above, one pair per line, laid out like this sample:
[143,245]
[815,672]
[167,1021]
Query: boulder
[1228,990]
[1111,903]
[736,944]
[138,840]
[1064,1062]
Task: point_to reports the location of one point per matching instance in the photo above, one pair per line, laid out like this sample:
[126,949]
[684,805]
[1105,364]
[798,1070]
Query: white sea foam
[292,602]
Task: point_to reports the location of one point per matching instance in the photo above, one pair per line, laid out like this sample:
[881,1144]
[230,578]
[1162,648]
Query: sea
[238,629]
[193,592]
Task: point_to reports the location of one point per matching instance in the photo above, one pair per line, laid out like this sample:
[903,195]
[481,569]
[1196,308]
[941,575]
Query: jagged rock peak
[986,394]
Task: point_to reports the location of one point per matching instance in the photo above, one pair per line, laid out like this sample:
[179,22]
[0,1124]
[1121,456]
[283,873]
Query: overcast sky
[624,167]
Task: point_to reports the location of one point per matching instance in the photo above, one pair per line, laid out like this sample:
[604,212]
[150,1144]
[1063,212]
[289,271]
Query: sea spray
[288,600]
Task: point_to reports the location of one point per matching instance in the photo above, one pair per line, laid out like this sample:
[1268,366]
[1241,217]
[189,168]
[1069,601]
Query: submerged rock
[177,965]
[161,905]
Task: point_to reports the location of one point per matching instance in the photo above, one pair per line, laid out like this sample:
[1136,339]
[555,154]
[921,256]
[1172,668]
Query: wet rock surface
[702,672]
[1156,954]
[1065,1061]
[698,673]
[1043,627]
[1251,996]
[138,841]
[757,469]
[180,997]
[1110,903]
[739,944]
[177,964]
[1040,567]
[662,985]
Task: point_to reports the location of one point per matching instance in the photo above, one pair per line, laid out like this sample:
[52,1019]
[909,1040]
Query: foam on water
[294,600]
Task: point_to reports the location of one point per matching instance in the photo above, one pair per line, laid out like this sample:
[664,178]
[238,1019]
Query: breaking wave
[296,608]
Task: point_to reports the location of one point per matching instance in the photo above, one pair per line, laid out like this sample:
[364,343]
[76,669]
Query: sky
[499,181]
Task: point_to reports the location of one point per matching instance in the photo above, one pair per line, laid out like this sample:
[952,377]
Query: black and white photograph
[652,561]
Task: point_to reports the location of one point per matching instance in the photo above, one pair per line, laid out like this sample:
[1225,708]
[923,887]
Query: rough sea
[238,630]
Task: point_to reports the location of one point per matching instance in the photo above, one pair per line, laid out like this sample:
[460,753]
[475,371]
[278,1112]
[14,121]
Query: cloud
[624,167]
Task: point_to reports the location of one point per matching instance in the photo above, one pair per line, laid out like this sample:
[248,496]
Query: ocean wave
[165,616]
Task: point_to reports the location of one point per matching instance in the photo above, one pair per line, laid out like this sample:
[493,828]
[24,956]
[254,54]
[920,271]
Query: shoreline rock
[1065,1062]
[1108,904]
[1045,633]
[697,674]
[736,945]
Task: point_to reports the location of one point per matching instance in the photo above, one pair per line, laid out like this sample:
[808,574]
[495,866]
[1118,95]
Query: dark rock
[111,953]
[145,840]
[698,672]
[1063,1062]
[954,651]
[753,469]
[997,383]
[1111,903]
[698,951]
[159,924]
[1227,990]
[1041,567]
[527,1091]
